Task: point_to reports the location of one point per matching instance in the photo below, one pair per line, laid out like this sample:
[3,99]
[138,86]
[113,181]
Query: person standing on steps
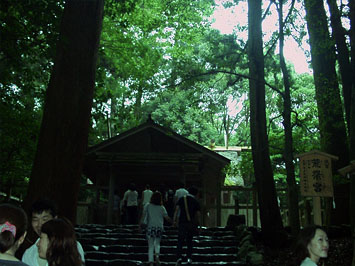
[180,192]
[146,195]
[153,217]
[130,201]
[187,217]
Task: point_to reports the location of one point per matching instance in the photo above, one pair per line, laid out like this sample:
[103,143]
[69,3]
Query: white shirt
[31,256]
[147,194]
[308,262]
[180,193]
[154,215]
[131,197]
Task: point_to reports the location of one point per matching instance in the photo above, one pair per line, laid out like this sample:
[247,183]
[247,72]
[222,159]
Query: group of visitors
[131,205]
[56,243]
[186,217]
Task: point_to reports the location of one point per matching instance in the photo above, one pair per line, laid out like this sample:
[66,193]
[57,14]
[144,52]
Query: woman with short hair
[13,226]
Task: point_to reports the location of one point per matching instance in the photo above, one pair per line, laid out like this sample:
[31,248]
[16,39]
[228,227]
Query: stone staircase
[113,245]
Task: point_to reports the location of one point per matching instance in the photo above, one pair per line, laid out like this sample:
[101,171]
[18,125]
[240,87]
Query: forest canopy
[161,58]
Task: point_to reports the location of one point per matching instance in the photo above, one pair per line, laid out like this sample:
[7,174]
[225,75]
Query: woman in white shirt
[312,245]
[130,200]
[153,217]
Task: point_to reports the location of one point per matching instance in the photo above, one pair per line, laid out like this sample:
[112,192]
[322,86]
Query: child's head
[13,226]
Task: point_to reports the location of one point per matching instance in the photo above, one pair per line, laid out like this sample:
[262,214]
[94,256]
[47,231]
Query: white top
[308,262]
[180,193]
[131,197]
[154,215]
[147,194]
[31,256]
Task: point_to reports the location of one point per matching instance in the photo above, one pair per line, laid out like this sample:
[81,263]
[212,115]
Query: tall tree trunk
[63,136]
[270,217]
[352,123]
[330,114]
[346,71]
[288,150]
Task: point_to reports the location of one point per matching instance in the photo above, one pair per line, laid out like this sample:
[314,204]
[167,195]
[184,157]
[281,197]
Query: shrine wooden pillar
[111,192]
[219,202]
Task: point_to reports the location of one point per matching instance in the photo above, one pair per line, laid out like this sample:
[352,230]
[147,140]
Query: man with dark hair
[42,211]
[146,195]
[188,215]
[180,192]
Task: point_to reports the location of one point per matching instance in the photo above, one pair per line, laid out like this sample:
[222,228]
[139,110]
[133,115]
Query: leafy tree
[331,119]
[287,123]
[269,212]
[339,35]
[28,34]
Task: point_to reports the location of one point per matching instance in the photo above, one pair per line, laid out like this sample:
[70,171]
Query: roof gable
[150,137]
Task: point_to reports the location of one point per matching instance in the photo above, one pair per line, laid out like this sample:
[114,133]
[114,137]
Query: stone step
[142,235]
[127,245]
[94,228]
[124,262]
[199,242]
[169,257]
[164,249]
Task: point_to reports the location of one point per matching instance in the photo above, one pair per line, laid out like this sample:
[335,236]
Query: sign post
[316,179]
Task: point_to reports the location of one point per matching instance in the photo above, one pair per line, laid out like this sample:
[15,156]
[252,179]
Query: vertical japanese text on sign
[316,175]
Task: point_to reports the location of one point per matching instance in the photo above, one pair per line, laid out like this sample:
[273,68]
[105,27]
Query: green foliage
[245,169]
[28,32]
[156,57]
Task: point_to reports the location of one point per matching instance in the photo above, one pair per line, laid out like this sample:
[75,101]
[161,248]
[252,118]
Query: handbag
[192,226]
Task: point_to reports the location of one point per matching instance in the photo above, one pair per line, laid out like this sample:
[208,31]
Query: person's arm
[81,251]
[176,215]
[168,219]
[175,197]
[142,198]
[166,216]
[125,195]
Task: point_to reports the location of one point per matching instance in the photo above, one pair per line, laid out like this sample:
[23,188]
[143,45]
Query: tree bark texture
[63,136]
[343,54]
[270,217]
[352,124]
[331,120]
[288,149]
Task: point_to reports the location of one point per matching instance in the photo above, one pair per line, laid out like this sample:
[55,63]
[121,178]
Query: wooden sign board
[316,175]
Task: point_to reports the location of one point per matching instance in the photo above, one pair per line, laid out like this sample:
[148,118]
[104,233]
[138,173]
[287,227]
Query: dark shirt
[192,205]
